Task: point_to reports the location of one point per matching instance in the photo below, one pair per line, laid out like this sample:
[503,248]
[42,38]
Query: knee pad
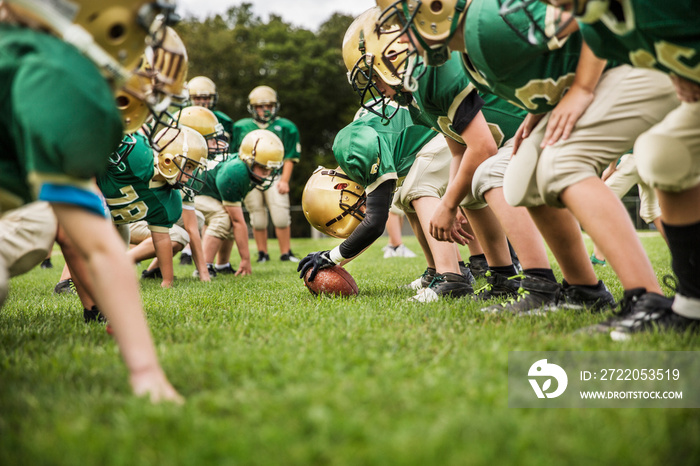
[258,219]
[281,217]
[664,162]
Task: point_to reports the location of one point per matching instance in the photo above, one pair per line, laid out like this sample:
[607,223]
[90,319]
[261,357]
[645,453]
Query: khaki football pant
[627,102]
[668,155]
[215,217]
[626,176]
[278,205]
[26,236]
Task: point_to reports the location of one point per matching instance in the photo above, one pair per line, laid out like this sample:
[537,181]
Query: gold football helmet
[263,96]
[205,123]
[262,148]
[203,92]
[155,89]
[112,34]
[432,20]
[333,203]
[370,54]
[182,161]
[132,101]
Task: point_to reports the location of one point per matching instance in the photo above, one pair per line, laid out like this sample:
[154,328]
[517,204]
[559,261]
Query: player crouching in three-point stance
[575,102]
[60,126]
[668,155]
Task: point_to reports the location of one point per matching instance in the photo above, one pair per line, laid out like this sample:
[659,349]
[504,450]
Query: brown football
[333,280]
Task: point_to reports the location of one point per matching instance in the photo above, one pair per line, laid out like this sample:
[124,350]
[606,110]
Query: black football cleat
[535,296]
[185,259]
[151,274]
[64,287]
[447,285]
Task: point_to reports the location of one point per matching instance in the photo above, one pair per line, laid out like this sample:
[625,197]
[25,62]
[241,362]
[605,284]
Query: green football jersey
[442,89]
[283,128]
[58,121]
[131,195]
[652,34]
[228,181]
[533,77]
[371,150]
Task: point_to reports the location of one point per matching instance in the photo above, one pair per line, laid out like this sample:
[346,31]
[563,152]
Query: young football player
[205,123]
[263,106]
[443,96]
[256,165]
[557,159]
[60,133]
[146,186]
[668,155]
[203,93]
[376,154]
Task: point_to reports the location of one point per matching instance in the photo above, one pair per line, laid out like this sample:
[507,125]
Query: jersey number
[548,89]
[674,57]
[132,211]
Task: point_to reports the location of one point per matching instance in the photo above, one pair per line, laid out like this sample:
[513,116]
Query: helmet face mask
[202,92]
[363,45]
[426,20]
[182,162]
[125,147]
[205,123]
[156,91]
[262,151]
[333,203]
[262,104]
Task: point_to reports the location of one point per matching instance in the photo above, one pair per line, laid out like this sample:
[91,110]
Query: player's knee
[258,220]
[663,162]
[281,219]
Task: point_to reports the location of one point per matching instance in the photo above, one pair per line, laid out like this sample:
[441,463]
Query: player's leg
[218,228]
[419,195]
[669,160]
[279,206]
[117,295]
[257,213]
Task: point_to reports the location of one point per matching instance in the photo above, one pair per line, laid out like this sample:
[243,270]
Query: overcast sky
[309,14]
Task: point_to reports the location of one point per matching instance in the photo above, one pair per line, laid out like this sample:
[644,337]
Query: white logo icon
[542,369]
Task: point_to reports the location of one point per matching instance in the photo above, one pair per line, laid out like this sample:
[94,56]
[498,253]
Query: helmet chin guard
[263,95]
[182,162]
[262,149]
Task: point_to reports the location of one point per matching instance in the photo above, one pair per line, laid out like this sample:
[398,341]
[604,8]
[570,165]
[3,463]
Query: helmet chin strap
[409,82]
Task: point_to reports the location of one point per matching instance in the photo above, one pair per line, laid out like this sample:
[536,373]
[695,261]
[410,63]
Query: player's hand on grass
[314,261]
[153,383]
[244,268]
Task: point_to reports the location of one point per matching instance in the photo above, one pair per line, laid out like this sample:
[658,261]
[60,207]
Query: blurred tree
[239,51]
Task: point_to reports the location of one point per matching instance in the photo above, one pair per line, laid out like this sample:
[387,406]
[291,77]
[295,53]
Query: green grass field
[273,375]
